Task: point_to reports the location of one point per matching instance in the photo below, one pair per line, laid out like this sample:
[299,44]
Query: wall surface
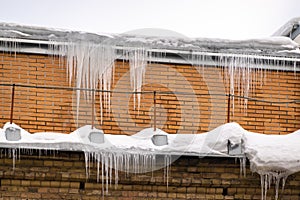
[189,99]
[62,175]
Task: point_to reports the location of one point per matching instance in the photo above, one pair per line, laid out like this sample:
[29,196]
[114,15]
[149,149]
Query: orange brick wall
[189,99]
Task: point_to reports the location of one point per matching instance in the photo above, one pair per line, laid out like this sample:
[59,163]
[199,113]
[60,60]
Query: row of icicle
[91,66]
[108,163]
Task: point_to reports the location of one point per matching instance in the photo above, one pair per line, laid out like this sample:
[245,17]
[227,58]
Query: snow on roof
[270,45]
[12,30]
[286,29]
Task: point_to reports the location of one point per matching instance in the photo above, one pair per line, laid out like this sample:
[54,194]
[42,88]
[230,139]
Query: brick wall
[62,176]
[189,99]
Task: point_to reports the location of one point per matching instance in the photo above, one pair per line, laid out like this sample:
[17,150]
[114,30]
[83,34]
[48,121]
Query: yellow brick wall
[41,176]
[189,99]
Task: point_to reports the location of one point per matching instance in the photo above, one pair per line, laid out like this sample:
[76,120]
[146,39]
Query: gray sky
[232,19]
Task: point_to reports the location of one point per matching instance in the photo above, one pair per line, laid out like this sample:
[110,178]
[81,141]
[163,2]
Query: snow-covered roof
[275,46]
[286,29]
[290,29]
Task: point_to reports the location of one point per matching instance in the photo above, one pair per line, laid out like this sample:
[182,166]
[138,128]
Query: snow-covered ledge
[265,156]
[213,143]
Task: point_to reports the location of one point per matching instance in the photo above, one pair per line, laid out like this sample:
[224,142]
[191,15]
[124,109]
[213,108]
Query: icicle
[98,167]
[90,65]
[138,59]
[283,182]
[116,167]
[262,181]
[19,154]
[167,163]
[266,183]
[266,180]
[87,164]
[295,68]
[277,182]
[14,157]
[102,173]
[153,164]
[243,166]
[241,74]
[106,165]
[111,155]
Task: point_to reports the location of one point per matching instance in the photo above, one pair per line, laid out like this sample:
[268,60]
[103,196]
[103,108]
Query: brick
[65,184]
[16,182]
[25,183]
[54,183]
[181,189]
[5,182]
[42,190]
[229,176]
[51,110]
[35,183]
[48,163]
[172,195]
[74,184]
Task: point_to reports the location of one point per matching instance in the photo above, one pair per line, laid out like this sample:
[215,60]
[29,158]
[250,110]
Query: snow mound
[218,138]
[148,133]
